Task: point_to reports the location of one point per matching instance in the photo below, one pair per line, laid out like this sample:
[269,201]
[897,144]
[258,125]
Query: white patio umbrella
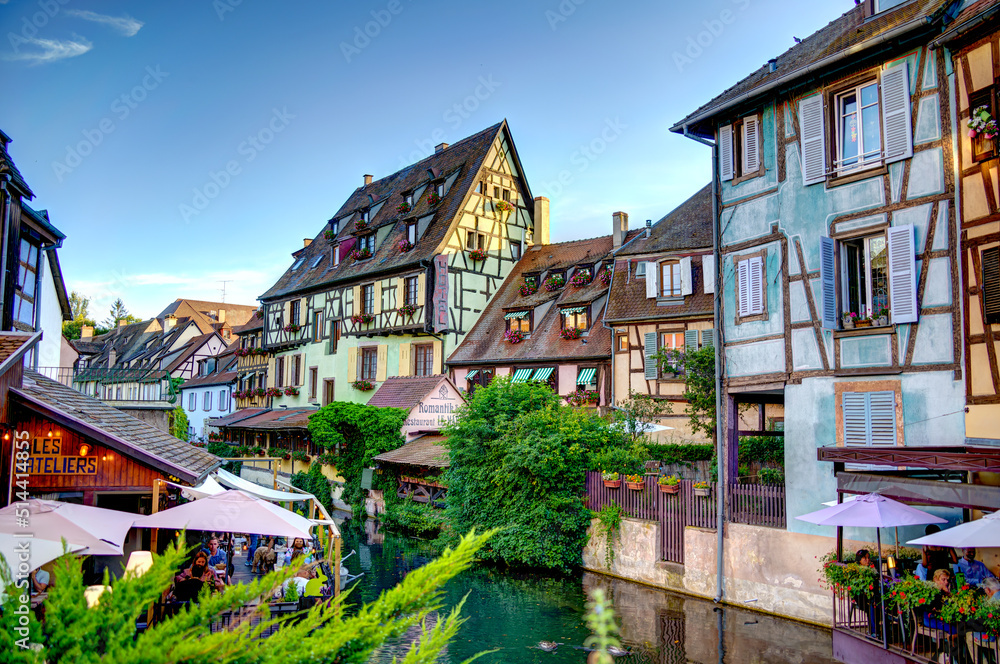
[230,512]
[100,531]
[981,533]
[38,551]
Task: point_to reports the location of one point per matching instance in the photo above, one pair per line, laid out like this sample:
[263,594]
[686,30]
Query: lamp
[139,563]
[93,594]
[84,449]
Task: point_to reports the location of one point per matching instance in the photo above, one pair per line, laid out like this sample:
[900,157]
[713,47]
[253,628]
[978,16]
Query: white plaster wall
[197,416]
[50,347]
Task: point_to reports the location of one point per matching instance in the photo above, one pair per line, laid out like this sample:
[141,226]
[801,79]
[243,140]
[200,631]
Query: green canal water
[510,612]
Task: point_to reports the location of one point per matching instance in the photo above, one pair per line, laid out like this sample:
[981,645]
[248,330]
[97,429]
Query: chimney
[619,228]
[168,322]
[222,316]
[541,234]
[112,358]
[122,322]
[86,332]
[649,227]
[368,179]
[306,241]
[440,147]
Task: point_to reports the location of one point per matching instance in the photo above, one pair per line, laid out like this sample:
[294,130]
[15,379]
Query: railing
[757,505]
[62,375]
[113,384]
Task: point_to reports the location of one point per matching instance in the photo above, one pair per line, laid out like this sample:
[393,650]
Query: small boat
[547,646]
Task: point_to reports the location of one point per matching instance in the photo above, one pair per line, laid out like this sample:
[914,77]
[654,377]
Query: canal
[511,612]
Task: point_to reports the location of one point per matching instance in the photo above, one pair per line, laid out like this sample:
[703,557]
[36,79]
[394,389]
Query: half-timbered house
[398,276]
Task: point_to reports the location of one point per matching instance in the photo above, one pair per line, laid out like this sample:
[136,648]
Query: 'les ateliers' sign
[47,459]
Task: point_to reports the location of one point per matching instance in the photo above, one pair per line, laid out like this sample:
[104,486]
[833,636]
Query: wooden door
[327,391]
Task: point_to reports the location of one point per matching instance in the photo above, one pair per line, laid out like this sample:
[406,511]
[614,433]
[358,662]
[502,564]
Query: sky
[188,147]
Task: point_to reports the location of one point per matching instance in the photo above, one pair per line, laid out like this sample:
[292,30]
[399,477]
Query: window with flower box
[334,226]
[519,321]
[369,363]
[982,111]
[423,359]
[366,243]
[294,309]
[368,299]
[412,290]
[576,318]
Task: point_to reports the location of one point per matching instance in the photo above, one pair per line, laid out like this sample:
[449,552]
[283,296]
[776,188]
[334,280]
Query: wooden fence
[757,505]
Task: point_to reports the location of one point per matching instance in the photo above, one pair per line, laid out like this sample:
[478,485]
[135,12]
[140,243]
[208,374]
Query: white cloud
[126,25]
[51,50]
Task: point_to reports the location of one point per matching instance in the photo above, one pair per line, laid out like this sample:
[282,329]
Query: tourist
[251,549]
[991,586]
[40,581]
[937,557]
[298,550]
[864,558]
[942,579]
[202,571]
[216,557]
[974,570]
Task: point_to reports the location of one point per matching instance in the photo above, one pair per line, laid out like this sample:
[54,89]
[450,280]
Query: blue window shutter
[828,282]
[707,338]
[690,340]
[902,274]
[649,352]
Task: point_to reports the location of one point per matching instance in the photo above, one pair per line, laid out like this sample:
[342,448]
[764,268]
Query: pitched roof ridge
[576,241]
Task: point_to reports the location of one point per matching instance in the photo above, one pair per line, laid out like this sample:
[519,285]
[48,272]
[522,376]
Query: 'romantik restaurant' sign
[435,410]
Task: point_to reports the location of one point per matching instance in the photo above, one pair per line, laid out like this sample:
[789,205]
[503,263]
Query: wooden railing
[757,505]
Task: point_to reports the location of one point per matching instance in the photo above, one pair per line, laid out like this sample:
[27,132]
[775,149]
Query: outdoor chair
[940,635]
[983,647]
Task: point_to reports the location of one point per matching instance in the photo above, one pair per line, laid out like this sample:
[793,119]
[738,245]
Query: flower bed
[361,254]
[478,254]
[554,283]
[362,319]
[363,385]
[570,333]
[513,336]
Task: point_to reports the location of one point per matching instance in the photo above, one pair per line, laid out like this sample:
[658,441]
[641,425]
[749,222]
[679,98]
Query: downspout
[4,181]
[720,439]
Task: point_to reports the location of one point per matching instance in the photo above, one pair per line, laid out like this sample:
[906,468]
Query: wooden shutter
[855,409]
[902,274]
[382,359]
[726,168]
[377,298]
[828,282]
[404,359]
[708,273]
[649,350]
[352,364]
[690,340]
[812,134]
[686,288]
[990,285]
[356,299]
[897,132]
[751,144]
[756,270]
[420,291]
[743,287]
[652,279]
[436,369]
[882,418]
[400,292]
[707,338]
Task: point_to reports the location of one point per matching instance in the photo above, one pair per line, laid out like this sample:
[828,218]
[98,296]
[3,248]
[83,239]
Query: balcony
[121,388]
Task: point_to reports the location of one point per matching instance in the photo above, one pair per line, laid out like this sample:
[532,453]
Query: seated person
[298,550]
[40,581]
[202,571]
[216,557]
[864,558]
[942,579]
[920,572]
[264,558]
[991,586]
[974,570]
[937,557]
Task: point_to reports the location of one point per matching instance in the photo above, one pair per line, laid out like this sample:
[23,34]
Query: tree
[178,423]
[698,370]
[119,313]
[634,413]
[325,633]
[79,305]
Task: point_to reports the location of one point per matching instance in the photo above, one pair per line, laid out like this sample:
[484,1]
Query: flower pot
[612,484]
[669,488]
[702,493]
[635,486]
[848,323]
[883,321]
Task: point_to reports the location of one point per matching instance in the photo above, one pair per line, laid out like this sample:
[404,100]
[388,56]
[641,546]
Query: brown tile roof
[424,451]
[223,378]
[236,314]
[844,33]
[628,301]
[129,435]
[10,342]
[404,391]
[255,323]
[465,157]
[277,418]
[969,18]
[688,226]
[485,343]
[238,416]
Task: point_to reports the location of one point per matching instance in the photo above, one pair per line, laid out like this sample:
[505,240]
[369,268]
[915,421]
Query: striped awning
[574,310]
[516,314]
[543,374]
[586,376]
[521,376]
[472,374]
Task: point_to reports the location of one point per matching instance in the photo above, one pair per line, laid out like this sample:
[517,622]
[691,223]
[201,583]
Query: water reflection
[513,611]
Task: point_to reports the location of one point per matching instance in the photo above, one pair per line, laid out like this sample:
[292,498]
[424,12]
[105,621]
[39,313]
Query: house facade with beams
[399,275]
[838,277]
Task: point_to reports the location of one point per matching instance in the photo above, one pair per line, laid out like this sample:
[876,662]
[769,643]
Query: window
[411,232]
[519,321]
[279,370]
[515,250]
[423,360]
[293,312]
[584,274]
[576,318]
[192,401]
[336,255]
[983,148]
[506,195]
[368,299]
[409,198]
[335,226]
[739,149]
[296,370]
[586,377]
[858,131]
[223,400]
[672,340]
[24,297]
[531,281]
[991,285]
[440,189]
[369,362]
[477,378]
[621,343]
[865,275]
[334,335]
[640,269]
[207,401]
[317,326]
[750,286]
[313,382]
[480,187]
[366,215]
[474,241]
[670,279]
[869,418]
[496,192]
[367,242]
[412,290]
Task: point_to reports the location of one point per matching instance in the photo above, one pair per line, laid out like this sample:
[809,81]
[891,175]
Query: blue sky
[126,116]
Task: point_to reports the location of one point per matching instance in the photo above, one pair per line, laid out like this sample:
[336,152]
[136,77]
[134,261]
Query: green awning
[516,314]
[574,310]
[472,374]
[543,374]
[586,376]
[521,376]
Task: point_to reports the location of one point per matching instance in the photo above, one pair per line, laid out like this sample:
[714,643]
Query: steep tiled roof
[404,391]
[223,378]
[198,310]
[255,323]
[969,18]
[844,33]
[10,342]
[485,343]
[238,416]
[313,266]
[424,451]
[129,435]
[190,349]
[688,226]
[277,418]
[628,301]
[7,166]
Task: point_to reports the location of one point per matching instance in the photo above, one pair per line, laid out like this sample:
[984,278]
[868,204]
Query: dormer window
[367,243]
[411,232]
[409,199]
[640,269]
[581,276]
[365,215]
[336,255]
[519,321]
[334,226]
[576,318]
[439,189]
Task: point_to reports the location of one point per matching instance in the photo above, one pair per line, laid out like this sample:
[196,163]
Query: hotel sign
[47,459]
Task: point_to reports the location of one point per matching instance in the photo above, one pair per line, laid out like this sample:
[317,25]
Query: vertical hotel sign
[440,299]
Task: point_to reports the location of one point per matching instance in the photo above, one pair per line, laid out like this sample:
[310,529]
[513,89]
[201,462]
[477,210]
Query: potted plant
[982,129]
[555,282]
[513,336]
[611,480]
[702,489]
[361,225]
[403,208]
[503,206]
[858,582]
[527,289]
[361,254]
[299,455]
[669,484]
[329,234]
[258,351]
[478,255]
[580,278]
[286,456]
[882,317]
[362,319]
[291,391]
[363,385]
[433,199]
[635,482]
[404,246]
[272,392]
[259,392]
[261,451]
[292,328]
[849,318]
[863,322]
[570,333]
[407,310]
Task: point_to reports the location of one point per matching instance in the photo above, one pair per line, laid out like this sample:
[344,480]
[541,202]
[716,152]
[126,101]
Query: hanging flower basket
[291,391]
[291,329]
[570,333]
[611,480]
[503,206]
[478,254]
[513,336]
[606,277]
[404,246]
[403,208]
[361,254]
[407,310]
[272,392]
[702,489]
[527,289]
[363,385]
[555,282]
[982,123]
[258,392]
[362,319]
[433,199]
[580,278]
[635,482]
[669,484]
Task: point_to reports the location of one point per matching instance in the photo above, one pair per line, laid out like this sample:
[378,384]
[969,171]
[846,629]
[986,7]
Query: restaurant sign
[438,408]
[47,459]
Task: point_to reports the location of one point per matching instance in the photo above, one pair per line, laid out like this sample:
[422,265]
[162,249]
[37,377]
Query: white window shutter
[708,273]
[828,282]
[726,166]
[690,341]
[855,409]
[902,274]
[686,285]
[743,286]
[897,131]
[756,282]
[751,144]
[812,135]
[652,279]
[649,351]
[882,418]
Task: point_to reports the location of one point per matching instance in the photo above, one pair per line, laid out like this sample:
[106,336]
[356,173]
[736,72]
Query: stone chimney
[619,228]
[306,241]
[368,179]
[122,322]
[112,358]
[168,322]
[86,332]
[541,234]
[221,316]
[440,147]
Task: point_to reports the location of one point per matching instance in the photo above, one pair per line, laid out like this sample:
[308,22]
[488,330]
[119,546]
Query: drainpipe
[4,182]
[720,440]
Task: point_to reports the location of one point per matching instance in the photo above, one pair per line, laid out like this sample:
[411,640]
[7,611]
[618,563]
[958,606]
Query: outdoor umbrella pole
[881,595]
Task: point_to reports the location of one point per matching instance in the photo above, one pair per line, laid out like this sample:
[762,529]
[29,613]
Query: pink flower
[972,133]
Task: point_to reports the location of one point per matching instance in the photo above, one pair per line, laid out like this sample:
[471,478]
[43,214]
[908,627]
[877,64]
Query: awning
[543,374]
[207,488]
[241,484]
[472,374]
[586,376]
[521,376]
[516,314]
[573,310]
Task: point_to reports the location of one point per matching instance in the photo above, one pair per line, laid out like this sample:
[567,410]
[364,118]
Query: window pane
[869,95]
[870,129]
[879,274]
[849,130]
[411,233]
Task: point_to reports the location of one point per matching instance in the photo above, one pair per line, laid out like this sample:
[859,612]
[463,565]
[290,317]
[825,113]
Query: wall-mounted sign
[435,410]
[440,300]
[47,459]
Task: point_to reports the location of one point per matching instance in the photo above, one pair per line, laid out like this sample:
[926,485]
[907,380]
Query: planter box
[669,488]
[635,486]
[612,484]
[863,323]
[702,493]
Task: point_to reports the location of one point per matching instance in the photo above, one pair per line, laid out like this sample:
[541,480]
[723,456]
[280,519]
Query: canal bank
[511,611]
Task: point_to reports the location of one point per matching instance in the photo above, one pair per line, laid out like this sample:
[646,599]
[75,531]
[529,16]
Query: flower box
[360,225]
[503,206]
[404,246]
[583,397]
[570,333]
[362,319]
[291,391]
[611,480]
[513,336]
[863,322]
[554,283]
[292,328]
[361,254]
[612,484]
[407,310]
[702,489]
[580,279]
[669,488]
[433,199]
[272,392]
[329,234]
[363,385]
[606,277]
[635,482]
[478,255]
[527,289]
[403,208]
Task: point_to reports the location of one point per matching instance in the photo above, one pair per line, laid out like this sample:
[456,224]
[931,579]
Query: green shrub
[622,460]
[771,476]
[413,517]
[315,483]
[681,453]
[762,449]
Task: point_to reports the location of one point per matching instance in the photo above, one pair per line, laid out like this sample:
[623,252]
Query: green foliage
[763,449]
[911,593]
[518,459]
[603,628]
[178,423]
[413,517]
[79,305]
[358,433]
[771,476]
[621,459]
[681,453]
[118,313]
[73,329]
[633,414]
[291,593]
[698,369]
[324,633]
[610,524]
[223,449]
[850,579]
[15,638]
[315,483]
